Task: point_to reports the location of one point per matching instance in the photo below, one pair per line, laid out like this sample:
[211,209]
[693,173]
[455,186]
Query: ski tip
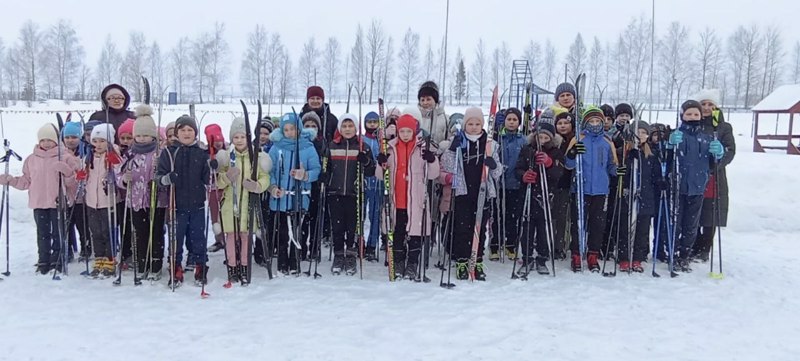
[716,276]
[204,295]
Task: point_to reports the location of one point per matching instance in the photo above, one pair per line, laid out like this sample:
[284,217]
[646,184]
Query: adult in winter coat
[428,97]
[289,147]
[115,100]
[565,97]
[315,102]
[510,198]
[717,189]
[234,179]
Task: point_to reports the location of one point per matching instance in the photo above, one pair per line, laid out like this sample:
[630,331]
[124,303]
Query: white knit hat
[104,131]
[47,131]
[708,94]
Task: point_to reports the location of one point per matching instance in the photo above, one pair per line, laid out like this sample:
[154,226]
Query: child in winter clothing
[428,96]
[146,201]
[347,154]
[511,142]
[649,174]
[408,161]
[697,149]
[260,256]
[478,155]
[562,196]
[374,190]
[71,134]
[101,194]
[235,180]
[287,142]
[184,168]
[311,120]
[216,143]
[125,138]
[599,164]
[658,145]
[40,176]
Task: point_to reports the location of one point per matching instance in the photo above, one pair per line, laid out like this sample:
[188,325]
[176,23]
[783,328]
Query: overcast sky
[297,20]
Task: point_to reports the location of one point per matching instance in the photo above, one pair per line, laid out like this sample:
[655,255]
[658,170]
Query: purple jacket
[141,168]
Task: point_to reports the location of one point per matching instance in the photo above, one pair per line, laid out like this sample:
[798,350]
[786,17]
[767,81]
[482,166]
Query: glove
[81,175]
[126,178]
[622,171]
[299,174]
[661,184]
[213,164]
[578,148]
[233,174]
[112,159]
[527,109]
[490,162]
[63,168]
[383,158]
[251,186]
[363,158]
[276,192]
[429,156]
[716,148]
[5,179]
[448,179]
[530,176]
[676,137]
[457,139]
[543,159]
[633,153]
[169,178]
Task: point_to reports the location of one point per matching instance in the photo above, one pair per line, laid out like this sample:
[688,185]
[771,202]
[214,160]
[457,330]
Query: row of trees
[747,65]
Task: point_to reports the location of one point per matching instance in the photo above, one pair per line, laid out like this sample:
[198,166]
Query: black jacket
[115,117]
[190,163]
[725,136]
[341,174]
[526,162]
[650,171]
[331,123]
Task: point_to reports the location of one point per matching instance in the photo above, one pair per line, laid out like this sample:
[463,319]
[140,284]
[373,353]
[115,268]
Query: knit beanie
[608,111]
[407,121]
[126,127]
[473,112]
[145,124]
[623,108]
[708,94]
[315,91]
[565,88]
[311,117]
[515,111]
[290,118]
[91,124]
[546,128]
[268,124]
[185,121]
[237,127]
[592,111]
[48,131]
[372,116]
[548,116]
[690,104]
[347,116]
[71,129]
[104,131]
[429,88]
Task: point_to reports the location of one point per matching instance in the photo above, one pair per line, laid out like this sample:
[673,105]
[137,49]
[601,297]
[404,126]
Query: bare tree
[430,62]
[135,64]
[595,68]
[496,71]
[386,68]
[409,61]
[773,54]
[674,64]
[155,67]
[576,58]
[358,64]
[332,53]
[550,72]
[30,51]
[84,78]
[307,64]
[376,40]
[505,64]
[218,59]
[285,76]
[15,72]
[180,62]
[533,54]
[744,49]
[274,66]
[479,68]
[459,86]
[252,76]
[796,72]
[201,63]
[65,53]
[709,57]
[3,94]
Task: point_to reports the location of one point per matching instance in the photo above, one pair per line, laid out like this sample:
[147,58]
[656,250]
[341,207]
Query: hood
[307,135]
[555,142]
[124,92]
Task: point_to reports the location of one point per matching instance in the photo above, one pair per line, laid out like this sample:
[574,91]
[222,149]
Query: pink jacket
[96,195]
[40,178]
[416,186]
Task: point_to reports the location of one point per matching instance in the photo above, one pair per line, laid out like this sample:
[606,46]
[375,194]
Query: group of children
[417,176]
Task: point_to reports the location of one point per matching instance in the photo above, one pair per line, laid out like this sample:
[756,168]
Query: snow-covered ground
[751,314]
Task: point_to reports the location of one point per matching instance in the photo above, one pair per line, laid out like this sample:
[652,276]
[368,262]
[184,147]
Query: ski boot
[369,254]
[216,247]
[177,277]
[592,261]
[461,271]
[636,266]
[97,268]
[108,268]
[243,272]
[351,262]
[576,263]
[494,256]
[525,268]
[338,264]
[541,266]
[624,266]
[511,254]
[480,274]
[233,274]
[43,268]
[412,265]
[399,264]
[200,275]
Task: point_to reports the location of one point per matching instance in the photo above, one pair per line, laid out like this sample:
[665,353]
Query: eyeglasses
[116,99]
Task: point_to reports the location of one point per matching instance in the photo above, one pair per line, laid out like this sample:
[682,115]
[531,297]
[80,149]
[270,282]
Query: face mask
[594,129]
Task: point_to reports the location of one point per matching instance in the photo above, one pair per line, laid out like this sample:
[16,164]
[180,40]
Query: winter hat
[126,127]
[145,125]
[430,89]
[407,121]
[372,116]
[708,94]
[455,118]
[290,118]
[561,113]
[347,116]
[170,125]
[311,117]
[268,124]
[91,124]
[473,112]
[71,129]
[641,124]
[237,127]
[47,131]
[395,112]
[186,121]
[623,108]
[414,112]
[690,104]
[315,91]
[515,111]
[104,131]
[592,111]
[565,88]
[548,116]
[546,128]
[608,111]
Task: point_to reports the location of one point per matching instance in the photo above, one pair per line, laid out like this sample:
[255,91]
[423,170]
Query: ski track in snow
[749,315]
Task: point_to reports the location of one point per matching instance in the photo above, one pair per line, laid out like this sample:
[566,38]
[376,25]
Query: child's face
[47,144]
[543,138]
[219,145]
[642,133]
[87,135]
[707,107]
[608,123]
[595,120]
[566,100]
[289,131]
[390,131]
[126,139]
[348,129]
[144,139]
[623,119]
[371,125]
[263,136]
[315,102]
[310,124]
[240,142]
[473,126]
[512,122]
[427,102]
[186,135]
[71,142]
[100,145]
[171,135]
[692,115]
[405,134]
[564,126]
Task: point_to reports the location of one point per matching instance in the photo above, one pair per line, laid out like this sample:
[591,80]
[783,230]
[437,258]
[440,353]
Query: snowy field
[751,314]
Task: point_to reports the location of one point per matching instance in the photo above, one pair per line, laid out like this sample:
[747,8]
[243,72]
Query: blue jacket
[694,159]
[599,163]
[510,146]
[283,159]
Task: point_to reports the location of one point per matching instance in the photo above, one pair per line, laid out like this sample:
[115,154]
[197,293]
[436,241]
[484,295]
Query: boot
[624,266]
[412,265]
[511,254]
[637,267]
[97,268]
[576,262]
[43,268]
[200,274]
[494,256]
[369,254]
[351,262]
[399,264]
[592,260]
[218,245]
[233,274]
[461,270]
[541,266]
[243,271]
[338,264]
[108,268]
[177,277]
[480,274]
[526,267]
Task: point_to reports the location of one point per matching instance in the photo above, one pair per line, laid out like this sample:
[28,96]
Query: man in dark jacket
[315,98]
[717,188]
[115,101]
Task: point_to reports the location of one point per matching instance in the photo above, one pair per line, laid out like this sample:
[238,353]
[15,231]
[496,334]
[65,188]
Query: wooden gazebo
[784,100]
